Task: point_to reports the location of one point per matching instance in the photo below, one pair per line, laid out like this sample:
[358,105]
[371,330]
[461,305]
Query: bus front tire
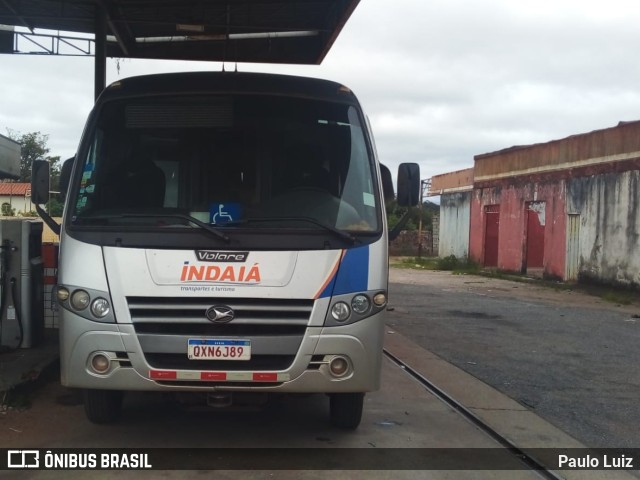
[345,409]
[103,406]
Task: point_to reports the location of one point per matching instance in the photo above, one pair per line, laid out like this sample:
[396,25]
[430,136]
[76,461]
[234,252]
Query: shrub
[448,263]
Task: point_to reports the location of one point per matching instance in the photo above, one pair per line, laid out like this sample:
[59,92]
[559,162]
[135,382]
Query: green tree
[54,207]
[395,212]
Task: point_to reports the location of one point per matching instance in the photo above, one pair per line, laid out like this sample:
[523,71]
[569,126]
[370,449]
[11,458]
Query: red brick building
[566,209]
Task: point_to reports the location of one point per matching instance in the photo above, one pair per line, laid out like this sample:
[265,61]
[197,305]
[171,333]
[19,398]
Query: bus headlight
[100,307]
[340,311]
[62,294]
[380,299]
[360,304]
[80,300]
[100,363]
[339,366]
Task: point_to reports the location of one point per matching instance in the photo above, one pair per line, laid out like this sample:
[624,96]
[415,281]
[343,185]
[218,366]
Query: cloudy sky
[441,80]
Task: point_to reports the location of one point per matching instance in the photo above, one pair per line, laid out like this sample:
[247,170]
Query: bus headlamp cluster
[340,311]
[351,308]
[361,304]
[80,299]
[88,303]
[100,307]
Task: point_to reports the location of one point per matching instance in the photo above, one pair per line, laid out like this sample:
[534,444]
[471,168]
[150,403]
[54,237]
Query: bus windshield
[231,161]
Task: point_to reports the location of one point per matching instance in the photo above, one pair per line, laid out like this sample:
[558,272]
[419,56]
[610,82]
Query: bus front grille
[274,328]
[249,311]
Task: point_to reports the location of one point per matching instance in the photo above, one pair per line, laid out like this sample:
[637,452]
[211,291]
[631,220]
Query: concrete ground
[401,415]
[18,366]
[569,357]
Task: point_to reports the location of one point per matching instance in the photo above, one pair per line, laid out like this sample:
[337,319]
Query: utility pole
[425,185]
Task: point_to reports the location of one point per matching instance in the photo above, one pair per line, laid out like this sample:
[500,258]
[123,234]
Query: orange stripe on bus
[334,270]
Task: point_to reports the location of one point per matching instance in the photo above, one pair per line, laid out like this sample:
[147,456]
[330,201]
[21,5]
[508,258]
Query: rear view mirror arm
[40,192]
[46,218]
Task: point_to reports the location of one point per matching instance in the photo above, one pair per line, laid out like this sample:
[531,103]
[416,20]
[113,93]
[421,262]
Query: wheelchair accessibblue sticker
[221,213]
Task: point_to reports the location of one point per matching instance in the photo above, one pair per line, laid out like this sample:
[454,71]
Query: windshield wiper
[182,216]
[339,233]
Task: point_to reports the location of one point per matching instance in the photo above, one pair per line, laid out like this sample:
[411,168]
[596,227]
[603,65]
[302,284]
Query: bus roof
[229,82]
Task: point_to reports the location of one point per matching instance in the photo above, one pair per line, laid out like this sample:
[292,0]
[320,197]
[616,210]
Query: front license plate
[215,349]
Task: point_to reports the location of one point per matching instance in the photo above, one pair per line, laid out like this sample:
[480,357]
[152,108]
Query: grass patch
[457,265]
[450,263]
[620,297]
[422,263]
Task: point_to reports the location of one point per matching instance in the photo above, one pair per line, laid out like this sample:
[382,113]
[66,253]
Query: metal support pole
[100,71]
[420,220]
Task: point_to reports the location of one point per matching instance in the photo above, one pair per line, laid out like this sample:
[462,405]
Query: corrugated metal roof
[265,31]
[609,145]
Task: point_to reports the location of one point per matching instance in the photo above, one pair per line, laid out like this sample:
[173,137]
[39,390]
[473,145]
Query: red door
[491,230]
[535,234]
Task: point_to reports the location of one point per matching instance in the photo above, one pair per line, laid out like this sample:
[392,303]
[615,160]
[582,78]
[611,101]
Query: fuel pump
[21,284]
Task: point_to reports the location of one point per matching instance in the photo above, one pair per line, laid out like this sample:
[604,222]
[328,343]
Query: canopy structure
[9,158]
[264,31]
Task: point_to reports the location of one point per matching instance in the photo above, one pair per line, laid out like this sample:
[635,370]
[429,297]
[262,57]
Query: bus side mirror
[387,183]
[65,175]
[408,184]
[40,182]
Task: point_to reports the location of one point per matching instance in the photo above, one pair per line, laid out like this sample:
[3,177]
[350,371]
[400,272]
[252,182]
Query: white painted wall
[609,208]
[20,203]
[455,211]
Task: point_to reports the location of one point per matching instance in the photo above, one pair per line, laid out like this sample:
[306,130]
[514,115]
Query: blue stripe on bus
[353,274]
[329,288]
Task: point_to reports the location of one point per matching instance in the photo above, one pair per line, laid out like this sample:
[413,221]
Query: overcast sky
[441,80]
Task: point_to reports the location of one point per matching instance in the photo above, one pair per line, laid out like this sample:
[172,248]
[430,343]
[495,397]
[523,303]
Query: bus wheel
[345,409]
[102,406]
